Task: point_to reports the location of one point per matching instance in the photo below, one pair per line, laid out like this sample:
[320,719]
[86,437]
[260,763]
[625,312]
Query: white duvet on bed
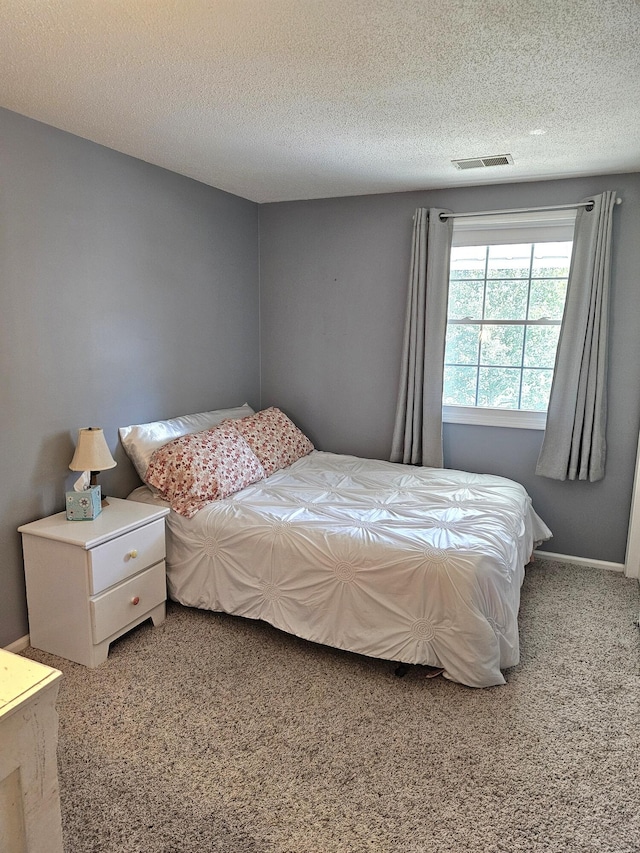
[418,565]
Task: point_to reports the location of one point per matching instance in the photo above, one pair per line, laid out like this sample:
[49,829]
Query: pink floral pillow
[196,469]
[276,440]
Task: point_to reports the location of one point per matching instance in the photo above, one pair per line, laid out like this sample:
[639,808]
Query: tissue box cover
[85,505]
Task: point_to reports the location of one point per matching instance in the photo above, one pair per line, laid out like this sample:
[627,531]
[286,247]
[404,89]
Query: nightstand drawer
[125,556]
[120,606]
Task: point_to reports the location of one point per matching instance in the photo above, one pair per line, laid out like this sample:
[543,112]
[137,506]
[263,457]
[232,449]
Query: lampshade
[92,452]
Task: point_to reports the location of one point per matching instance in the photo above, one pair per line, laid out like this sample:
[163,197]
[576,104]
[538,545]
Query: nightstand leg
[99,653]
[158,614]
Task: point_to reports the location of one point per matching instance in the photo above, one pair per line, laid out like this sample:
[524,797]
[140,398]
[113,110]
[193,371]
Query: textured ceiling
[291,99]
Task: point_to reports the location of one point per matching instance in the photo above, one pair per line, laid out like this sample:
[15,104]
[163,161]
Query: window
[506,300]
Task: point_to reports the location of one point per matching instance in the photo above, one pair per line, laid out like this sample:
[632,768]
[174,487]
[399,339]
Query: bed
[413,565]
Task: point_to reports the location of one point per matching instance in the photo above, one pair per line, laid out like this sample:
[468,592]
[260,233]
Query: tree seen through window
[505,310]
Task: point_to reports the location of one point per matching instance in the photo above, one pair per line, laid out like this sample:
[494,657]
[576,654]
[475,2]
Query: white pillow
[140,441]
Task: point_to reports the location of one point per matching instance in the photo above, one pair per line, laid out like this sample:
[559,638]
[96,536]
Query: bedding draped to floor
[416,565]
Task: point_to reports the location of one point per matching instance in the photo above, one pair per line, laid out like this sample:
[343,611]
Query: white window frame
[534,227]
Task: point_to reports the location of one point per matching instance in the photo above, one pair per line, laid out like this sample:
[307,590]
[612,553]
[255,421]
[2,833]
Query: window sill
[494,417]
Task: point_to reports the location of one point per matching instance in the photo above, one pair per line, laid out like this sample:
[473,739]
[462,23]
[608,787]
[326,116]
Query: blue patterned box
[85,505]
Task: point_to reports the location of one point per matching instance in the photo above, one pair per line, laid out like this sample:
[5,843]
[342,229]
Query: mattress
[414,565]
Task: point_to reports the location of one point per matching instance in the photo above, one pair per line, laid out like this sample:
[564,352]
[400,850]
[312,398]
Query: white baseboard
[18,645]
[580,561]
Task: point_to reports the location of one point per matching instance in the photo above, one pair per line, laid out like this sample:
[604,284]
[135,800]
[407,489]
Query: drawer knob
[135,600]
[133,554]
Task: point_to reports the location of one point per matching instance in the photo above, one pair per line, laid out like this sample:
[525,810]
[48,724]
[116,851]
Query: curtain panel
[417,435]
[574,445]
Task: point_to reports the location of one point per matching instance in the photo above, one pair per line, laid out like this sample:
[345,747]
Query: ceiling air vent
[483,162]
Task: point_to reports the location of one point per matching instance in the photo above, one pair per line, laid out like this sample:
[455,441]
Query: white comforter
[418,565]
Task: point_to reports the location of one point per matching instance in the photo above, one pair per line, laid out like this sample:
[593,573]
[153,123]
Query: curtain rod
[587,204]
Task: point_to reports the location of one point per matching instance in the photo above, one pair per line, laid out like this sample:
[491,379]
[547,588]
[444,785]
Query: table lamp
[92,454]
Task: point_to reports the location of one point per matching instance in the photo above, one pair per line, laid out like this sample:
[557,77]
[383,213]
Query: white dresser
[89,582]
[29,799]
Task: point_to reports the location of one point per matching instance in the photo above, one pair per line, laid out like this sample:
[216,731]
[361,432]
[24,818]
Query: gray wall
[333,284]
[127,294]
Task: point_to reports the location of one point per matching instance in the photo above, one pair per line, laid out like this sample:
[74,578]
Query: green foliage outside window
[504,316]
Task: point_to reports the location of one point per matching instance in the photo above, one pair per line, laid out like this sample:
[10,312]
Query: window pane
[498,360]
[468,261]
[498,387]
[502,345]
[511,261]
[506,300]
[465,299]
[551,260]
[547,299]
[541,345]
[536,387]
[459,386]
[463,343]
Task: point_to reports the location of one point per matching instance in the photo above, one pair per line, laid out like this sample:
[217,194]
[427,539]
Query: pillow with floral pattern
[196,469]
[274,438]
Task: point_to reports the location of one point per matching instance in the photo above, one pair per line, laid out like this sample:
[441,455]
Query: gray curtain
[574,446]
[417,436]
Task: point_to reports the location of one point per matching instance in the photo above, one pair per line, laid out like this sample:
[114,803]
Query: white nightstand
[89,582]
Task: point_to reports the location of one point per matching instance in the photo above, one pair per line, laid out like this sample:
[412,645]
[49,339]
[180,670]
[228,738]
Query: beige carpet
[212,733]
